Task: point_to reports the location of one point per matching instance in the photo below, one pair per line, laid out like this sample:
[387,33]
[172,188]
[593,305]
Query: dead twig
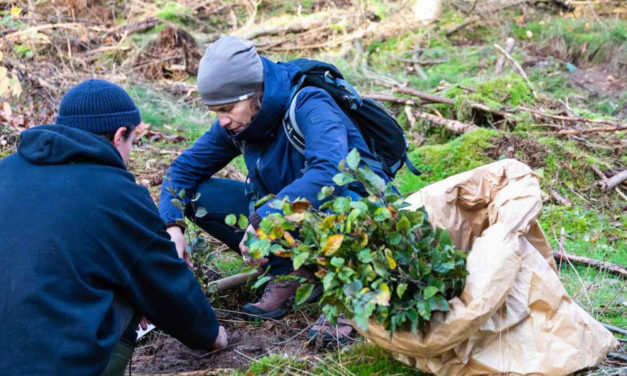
[518,68]
[462,25]
[559,198]
[509,46]
[417,61]
[611,268]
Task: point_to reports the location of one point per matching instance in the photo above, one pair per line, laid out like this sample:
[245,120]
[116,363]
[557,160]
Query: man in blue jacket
[83,250]
[250,95]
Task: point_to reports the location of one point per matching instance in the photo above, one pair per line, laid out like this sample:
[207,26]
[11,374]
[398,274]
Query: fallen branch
[615,329]
[281,30]
[462,25]
[589,130]
[603,265]
[603,177]
[430,98]
[571,119]
[233,281]
[518,67]
[453,126]
[393,99]
[509,46]
[614,181]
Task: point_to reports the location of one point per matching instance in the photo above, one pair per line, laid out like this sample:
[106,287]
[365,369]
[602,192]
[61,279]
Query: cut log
[602,265]
[233,281]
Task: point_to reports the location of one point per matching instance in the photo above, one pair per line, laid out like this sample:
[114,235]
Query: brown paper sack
[514,316]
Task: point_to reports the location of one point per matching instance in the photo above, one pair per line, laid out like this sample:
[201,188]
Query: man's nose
[224,120]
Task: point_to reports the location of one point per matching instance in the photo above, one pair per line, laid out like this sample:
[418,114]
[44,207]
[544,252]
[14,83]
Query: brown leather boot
[277,296]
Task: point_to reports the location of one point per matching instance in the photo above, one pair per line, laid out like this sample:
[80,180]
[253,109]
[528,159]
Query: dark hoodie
[76,231]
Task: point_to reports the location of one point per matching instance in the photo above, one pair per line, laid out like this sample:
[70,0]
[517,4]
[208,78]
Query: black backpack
[384,136]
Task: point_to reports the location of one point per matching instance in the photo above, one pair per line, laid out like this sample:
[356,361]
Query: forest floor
[565,119]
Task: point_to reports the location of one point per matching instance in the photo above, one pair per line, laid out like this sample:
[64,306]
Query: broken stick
[614,181]
[518,68]
[603,265]
[509,46]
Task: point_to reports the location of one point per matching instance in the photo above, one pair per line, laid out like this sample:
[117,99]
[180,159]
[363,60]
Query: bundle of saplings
[375,260]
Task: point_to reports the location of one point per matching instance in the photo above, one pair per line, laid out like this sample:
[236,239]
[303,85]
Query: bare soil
[159,353]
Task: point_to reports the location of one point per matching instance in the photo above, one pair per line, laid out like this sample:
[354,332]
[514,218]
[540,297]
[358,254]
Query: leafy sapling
[376,260]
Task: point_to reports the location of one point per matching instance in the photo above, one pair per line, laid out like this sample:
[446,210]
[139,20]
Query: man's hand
[176,235]
[221,340]
[250,231]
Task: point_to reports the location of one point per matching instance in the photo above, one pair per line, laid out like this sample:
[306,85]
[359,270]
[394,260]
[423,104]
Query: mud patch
[160,353]
[599,81]
[526,150]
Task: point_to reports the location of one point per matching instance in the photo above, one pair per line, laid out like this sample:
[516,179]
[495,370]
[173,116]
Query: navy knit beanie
[97,106]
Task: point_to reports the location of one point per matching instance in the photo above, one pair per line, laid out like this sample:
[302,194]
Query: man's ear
[118,137]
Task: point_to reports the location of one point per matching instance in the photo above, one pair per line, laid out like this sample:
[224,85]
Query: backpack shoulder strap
[290,126]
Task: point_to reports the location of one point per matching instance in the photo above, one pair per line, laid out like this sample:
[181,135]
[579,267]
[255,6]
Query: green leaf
[403,224]
[341,204]
[343,178]
[230,220]
[181,194]
[300,259]
[263,200]
[380,269]
[382,214]
[395,238]
[196,197]
[444,267]
[430,291]
[261,281]
[365,255]
[178,204]
[337,261]
[352,160]
[303,293]
[400,289]
[325,192]
[200,212]
[242,222]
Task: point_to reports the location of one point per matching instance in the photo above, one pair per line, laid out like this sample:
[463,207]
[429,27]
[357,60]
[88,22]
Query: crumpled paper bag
[514,316]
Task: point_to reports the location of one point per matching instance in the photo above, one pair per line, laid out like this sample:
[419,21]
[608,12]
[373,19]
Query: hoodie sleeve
[326,145]
[210,153]
[164,289]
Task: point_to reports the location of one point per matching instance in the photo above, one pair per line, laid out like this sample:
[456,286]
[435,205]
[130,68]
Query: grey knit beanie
[230,71]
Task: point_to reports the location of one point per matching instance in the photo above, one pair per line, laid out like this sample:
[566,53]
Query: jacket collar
[278,80]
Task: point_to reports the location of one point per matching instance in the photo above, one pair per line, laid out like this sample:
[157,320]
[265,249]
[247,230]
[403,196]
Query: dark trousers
[221,197]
